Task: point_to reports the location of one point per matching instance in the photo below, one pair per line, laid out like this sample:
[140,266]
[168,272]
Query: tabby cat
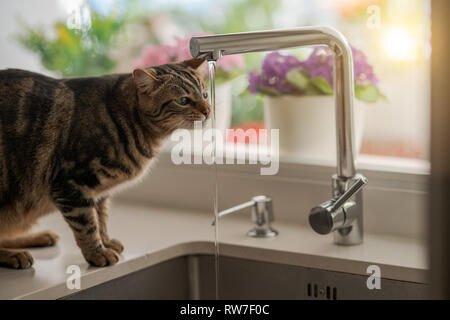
[65,144]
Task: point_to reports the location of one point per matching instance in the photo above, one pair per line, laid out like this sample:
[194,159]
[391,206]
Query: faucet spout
[343,213]
[215,46]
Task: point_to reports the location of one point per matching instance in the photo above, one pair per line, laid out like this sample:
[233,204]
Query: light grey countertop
[153,235]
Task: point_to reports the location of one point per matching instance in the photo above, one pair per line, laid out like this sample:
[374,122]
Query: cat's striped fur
[65,144]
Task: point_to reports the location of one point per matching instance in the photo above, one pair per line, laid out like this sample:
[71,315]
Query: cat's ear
[194,63]
[145,79]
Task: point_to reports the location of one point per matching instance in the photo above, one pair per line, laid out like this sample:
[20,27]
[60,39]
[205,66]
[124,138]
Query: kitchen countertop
[153,235]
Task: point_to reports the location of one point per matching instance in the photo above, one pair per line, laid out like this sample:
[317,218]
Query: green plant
[76,52]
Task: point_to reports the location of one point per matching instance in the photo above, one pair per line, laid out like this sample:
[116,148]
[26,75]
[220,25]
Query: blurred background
[66,38]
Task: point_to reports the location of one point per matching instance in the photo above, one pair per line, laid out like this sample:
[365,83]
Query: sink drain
[314,291]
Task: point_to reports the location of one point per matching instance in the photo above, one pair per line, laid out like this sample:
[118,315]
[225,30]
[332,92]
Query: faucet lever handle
[336,213]
[339,201]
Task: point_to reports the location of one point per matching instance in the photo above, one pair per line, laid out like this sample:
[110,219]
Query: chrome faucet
[262,216]
[344,212]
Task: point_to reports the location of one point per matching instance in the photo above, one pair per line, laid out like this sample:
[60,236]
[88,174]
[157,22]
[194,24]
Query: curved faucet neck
[215,46]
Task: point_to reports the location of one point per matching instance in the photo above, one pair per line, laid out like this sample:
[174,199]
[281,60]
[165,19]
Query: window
[114,36]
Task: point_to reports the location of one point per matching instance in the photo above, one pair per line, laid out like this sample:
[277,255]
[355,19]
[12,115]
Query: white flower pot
[307,125]
[223,108]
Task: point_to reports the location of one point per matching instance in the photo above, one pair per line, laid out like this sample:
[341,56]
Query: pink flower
[229,63]
[155,55]
[181,49]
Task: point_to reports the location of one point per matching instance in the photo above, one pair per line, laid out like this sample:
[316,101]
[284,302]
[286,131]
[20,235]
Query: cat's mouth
[202,117]
[189,122]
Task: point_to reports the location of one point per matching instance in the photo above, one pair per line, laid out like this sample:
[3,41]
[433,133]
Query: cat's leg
[79,212]
[84,224]
[16,259]
[102,211]
[40,239]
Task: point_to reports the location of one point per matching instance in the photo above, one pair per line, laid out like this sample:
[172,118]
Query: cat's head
[173,95]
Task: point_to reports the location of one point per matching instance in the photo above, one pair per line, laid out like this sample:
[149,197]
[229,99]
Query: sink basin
[192,277]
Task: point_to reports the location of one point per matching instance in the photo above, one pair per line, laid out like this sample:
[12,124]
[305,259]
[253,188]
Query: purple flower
[255,81]
[363,71]
[319,64]
[273,75]
[277,65]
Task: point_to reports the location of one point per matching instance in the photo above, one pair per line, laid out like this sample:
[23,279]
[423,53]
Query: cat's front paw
[45,239]
[16,260]
[102,257]
[114,244]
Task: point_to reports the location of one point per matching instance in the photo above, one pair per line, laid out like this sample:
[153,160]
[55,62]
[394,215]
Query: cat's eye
[205,95]
[183,101]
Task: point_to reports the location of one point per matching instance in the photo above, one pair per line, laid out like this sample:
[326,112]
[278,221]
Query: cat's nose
[206,111]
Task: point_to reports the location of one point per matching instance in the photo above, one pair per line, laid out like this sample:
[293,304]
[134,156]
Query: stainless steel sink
[192,277]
